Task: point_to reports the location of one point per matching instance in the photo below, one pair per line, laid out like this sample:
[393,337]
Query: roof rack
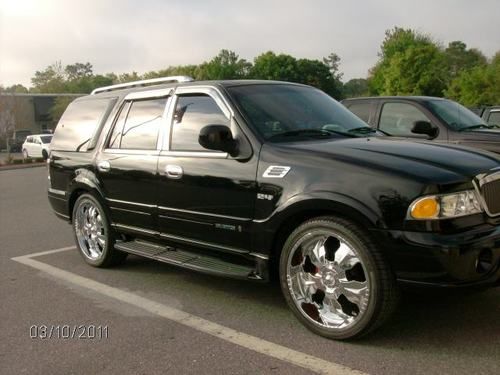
[144,82]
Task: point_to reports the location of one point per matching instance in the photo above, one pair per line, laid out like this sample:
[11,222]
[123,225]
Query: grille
[491,195]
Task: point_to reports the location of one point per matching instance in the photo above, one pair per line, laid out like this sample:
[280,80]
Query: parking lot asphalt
[161,319]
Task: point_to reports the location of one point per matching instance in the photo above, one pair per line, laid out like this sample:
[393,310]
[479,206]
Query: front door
[206,197]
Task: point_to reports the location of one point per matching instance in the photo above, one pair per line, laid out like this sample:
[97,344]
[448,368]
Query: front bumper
[470,258]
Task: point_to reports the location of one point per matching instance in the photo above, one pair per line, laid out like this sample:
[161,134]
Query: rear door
[127,167]
[205,197]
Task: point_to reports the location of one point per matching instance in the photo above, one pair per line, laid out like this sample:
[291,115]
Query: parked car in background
[37,146]
[491,115]
[430,118]
[16,142]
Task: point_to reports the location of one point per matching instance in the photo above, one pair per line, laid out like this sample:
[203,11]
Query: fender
[85,179]
[306,205]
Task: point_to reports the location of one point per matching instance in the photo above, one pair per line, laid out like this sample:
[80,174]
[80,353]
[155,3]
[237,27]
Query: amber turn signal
[425,208]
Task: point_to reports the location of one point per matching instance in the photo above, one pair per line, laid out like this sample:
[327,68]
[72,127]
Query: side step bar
[190,260]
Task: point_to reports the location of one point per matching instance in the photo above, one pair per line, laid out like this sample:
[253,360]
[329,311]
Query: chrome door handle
[174,171]
[104,166]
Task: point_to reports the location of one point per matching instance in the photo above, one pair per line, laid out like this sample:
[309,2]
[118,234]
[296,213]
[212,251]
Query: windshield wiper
[363,130]
[309,132]
[478,126]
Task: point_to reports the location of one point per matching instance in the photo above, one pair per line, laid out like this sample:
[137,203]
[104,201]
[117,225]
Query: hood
[426,161]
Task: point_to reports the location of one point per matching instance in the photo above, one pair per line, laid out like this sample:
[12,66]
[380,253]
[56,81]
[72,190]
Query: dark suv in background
[422,117]
[255,179]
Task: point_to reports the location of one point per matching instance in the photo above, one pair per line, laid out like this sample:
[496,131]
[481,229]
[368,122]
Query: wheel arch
[296,213]
[84,182]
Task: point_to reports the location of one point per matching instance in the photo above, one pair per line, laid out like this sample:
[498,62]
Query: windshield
[455,115]
[46,138]
[283,113]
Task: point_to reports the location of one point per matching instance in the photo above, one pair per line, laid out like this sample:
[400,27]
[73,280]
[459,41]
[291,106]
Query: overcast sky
[123,36]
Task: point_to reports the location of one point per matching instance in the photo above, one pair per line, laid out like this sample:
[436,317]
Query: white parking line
[228,334]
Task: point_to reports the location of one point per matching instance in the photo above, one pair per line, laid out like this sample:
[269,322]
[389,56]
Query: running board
[189,260]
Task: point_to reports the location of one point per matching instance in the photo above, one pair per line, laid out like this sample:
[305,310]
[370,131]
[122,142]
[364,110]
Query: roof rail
[144,82]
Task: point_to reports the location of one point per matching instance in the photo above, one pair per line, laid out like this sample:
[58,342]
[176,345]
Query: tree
[78,71]
[477,86]
[17,88]
[275,67]
[355,87]
[50,80]
[410,64]
[9,107]
[333,63]
[459,58]
[226,65]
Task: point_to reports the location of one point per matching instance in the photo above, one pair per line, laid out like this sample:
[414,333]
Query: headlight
[445,206]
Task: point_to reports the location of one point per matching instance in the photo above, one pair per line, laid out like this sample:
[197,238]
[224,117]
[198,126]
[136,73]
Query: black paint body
[214,208]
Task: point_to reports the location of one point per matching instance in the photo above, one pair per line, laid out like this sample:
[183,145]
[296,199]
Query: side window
[137,128]
[398,118]
[494,118]
[192,113]
[362,110]
[79,123]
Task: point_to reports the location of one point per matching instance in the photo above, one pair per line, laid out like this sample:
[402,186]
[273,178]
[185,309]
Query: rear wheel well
[72,199]
[292,222]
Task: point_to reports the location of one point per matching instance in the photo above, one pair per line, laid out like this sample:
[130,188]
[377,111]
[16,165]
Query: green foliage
[459,58]
[226,65]
[410,64]
[355,87]
[479,85]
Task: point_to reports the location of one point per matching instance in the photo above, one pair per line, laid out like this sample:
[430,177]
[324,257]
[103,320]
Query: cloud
[125,36]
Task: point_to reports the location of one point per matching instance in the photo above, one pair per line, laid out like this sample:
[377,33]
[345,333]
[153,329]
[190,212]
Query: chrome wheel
[90,230]
[327,280]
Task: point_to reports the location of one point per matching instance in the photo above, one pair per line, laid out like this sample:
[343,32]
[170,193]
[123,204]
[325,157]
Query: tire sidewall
[362,250]
[106,253]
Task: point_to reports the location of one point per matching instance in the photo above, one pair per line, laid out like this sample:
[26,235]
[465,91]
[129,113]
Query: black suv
[251,179]
[424,117]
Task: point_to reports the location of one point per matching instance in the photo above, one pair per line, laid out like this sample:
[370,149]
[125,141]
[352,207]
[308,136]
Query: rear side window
[138,125]
[79,123]
[494,118]
[362,110]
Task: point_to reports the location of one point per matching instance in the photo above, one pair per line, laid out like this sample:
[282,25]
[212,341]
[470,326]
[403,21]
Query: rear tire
[25,154]
[335,279]
[45,155]
[94,236]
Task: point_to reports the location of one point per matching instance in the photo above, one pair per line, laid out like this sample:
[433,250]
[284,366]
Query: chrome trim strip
[131,203]
[203,243]
[150,94]
[57,192]
[131,211]
[259,255]
[204,214]
[173,79]
[186,220]
[195,154]
[121,151]
[136,229]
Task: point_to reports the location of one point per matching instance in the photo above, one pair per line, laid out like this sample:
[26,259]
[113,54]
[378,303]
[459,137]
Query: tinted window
[362,110]
[192,113]
[46,138]
[398,118]
[116,136]
[455,115]
[287,113]
[141,126]
[494,118]
[78,124]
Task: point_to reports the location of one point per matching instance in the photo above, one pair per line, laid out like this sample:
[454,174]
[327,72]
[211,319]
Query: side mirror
[424,127]
[218,137]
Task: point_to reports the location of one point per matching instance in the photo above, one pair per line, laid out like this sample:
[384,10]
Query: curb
[9,167]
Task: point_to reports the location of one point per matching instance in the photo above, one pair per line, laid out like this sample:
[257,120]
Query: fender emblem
[276,171]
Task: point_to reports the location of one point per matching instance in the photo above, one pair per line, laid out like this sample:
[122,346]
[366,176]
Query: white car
[37,146]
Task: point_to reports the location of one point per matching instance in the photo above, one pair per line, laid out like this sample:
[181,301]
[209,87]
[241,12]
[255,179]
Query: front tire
[93,234]
[335,279]
[25,154]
